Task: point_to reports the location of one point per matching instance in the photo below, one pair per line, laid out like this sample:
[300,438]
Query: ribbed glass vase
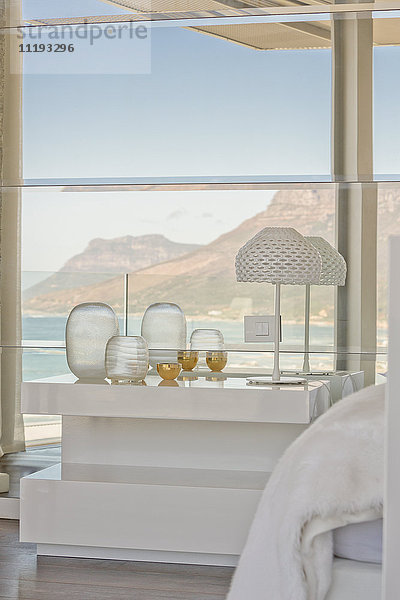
[164,329]
[206,339]
[127,358]
[89,327]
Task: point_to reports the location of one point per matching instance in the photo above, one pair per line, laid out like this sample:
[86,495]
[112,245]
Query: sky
[206,107]
[65,222]
[71,8]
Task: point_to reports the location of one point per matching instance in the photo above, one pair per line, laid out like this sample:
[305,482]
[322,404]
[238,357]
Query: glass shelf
[229,348]
[194,183]
[38,362]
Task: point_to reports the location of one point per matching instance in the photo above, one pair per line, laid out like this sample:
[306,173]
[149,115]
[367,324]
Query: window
[143,179]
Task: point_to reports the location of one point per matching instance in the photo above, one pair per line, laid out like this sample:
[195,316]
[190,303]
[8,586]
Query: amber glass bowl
[168,370]
[216,360]
[188,359]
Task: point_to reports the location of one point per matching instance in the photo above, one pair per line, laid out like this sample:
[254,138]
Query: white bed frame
[391,537]
[353,580]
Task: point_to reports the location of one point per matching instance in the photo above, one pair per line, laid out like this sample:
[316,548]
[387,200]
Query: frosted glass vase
[127,358]
[164,329]
[205,340]
[89,327]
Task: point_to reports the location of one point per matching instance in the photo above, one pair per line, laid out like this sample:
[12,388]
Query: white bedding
[359,541]
[331,476]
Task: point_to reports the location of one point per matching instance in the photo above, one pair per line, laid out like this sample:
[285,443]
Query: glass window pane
[210,107]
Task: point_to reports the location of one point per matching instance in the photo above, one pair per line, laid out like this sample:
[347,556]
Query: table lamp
[281,256]
[333,272]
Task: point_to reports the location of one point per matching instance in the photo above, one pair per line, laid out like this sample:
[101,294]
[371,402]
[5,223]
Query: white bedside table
[171,474]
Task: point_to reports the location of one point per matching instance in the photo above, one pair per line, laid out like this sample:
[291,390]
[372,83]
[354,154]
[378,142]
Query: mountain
[102,257]
[203,281]
[126,254]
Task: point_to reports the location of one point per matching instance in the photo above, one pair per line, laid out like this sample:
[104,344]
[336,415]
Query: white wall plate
[260,328]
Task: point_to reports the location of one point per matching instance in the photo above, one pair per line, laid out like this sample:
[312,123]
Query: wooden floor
[23,576]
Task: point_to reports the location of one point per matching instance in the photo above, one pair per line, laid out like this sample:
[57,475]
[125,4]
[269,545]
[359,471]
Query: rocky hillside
[102,257]
[126,254]
[203,281]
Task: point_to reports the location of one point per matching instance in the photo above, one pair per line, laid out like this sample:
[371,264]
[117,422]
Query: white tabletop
[217,398]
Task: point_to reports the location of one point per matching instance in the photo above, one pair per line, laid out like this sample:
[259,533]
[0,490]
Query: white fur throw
[330,476]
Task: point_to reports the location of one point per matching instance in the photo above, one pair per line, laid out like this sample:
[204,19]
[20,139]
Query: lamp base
[270,381]
[312,372]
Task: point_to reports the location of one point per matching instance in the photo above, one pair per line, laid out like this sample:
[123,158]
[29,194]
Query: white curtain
[11,421]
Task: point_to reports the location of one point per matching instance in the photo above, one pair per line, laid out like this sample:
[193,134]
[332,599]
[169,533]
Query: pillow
[359,541]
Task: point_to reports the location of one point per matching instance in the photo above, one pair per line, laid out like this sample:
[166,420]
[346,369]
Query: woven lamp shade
[334,268]
[279,255]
